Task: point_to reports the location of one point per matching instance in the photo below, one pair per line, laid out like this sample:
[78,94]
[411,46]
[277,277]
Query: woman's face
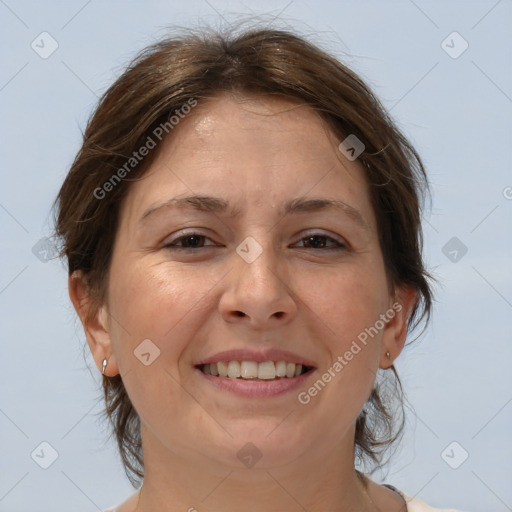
[274,257]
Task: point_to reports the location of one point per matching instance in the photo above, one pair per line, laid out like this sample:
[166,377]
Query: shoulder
[417,505]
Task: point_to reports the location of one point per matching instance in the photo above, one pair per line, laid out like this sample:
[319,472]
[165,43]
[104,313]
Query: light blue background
[457,112]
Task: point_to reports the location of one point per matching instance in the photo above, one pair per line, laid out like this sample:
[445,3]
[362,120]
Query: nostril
[239,313]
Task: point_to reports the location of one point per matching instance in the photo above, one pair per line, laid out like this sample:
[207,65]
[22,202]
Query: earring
[388,355]
[104,365]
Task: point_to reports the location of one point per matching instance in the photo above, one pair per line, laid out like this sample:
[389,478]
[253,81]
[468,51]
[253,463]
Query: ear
[395,332]
[95,322]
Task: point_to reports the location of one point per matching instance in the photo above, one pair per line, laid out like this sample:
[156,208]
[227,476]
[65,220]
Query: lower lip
[256,388]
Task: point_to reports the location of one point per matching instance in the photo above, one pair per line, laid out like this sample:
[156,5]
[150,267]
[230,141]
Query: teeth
[222,368]
[249,370]
[233,369]
[281,369]
[267,370]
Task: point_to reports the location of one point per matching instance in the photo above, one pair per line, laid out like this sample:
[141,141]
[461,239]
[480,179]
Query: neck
[326,481]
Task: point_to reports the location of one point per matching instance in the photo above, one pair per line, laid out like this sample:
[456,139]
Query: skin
[257,153]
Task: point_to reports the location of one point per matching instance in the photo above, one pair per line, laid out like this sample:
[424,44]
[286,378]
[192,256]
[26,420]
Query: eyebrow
[221,206]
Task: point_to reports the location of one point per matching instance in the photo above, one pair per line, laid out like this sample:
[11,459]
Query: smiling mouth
[252,370]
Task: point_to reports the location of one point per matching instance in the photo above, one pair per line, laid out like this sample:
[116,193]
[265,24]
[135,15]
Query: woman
[242,227]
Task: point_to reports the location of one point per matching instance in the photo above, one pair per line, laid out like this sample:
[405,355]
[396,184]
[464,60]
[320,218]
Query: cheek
[158,311]
[159,303]
[350,302]
[348,315]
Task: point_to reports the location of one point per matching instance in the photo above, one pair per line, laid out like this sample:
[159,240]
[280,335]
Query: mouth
[255,371]
[255,374]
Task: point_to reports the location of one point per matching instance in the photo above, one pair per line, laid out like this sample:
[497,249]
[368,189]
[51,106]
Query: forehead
[256,150]
[235,111]
[276,128]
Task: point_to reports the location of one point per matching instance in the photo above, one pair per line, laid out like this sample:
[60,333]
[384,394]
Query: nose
[258,293]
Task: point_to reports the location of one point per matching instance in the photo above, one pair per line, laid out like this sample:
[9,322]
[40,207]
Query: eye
[321,241]
[317,241]
[188,241]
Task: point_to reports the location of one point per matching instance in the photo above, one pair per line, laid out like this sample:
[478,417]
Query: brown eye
[189,241]
[319,241]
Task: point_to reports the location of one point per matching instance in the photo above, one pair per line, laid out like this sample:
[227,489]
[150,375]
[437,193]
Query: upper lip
[259,356]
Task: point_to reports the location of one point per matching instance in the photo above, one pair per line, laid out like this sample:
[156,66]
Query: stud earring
[104,365]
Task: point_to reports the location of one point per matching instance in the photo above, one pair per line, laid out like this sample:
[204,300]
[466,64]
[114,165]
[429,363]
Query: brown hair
[194,67]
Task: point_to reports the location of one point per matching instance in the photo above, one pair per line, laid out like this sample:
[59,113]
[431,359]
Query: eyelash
[171,245]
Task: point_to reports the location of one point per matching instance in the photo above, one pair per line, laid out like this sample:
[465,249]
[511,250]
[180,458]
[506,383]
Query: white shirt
[416,505]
